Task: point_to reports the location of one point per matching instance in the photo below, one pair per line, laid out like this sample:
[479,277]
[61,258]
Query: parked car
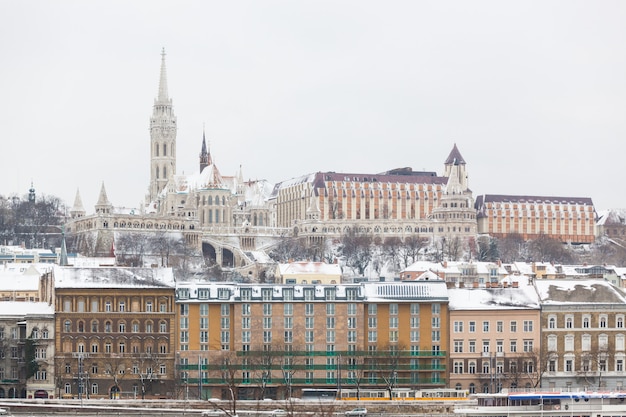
[357,412]
[279,413]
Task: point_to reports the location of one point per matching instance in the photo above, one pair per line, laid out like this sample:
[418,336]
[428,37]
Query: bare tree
[357,248]
[511,247]
[115,367]
[594,362]
[410,249]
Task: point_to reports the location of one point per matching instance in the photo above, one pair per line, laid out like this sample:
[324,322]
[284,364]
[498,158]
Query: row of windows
[459,346]
[121,327]
[486,326]
[135,370]
[121,348]
[122,306]
[489,367]
[35,334]
[603,342]
[585,322]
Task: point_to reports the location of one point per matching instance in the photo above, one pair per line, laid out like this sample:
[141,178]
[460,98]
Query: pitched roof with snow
[310,268]
[510,298]
[578,291]
[113,277]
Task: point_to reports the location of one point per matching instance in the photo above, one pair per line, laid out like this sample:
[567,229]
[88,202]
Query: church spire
[163,96]
[162,137]
[205,155]
[103,206]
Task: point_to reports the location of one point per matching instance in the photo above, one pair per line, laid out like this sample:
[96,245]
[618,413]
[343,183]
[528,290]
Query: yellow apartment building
[271,341]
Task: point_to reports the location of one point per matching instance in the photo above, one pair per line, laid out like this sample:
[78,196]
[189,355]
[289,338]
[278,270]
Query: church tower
[162,138]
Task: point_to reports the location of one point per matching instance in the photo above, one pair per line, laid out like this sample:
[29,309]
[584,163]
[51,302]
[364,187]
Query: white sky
[532,92]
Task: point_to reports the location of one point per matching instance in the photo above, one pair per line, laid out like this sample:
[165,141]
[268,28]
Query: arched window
[67,326]
[552,323]
[165,149]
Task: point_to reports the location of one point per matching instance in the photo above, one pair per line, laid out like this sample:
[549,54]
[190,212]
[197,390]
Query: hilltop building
[568,219]
[228,217]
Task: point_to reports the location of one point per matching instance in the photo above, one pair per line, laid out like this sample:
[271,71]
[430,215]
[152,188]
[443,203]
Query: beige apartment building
[494,337]
[583,333]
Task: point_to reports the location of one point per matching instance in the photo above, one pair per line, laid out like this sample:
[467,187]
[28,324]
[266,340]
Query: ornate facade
[115,332]
[227,216]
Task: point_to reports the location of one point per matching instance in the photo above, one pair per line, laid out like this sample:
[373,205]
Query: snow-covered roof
[510,298]
[611,217]
[310,268]
[406,290]
[23,308]
[113,277]
[578,291]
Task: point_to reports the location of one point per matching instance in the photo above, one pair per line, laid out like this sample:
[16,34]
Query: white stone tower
[162,138]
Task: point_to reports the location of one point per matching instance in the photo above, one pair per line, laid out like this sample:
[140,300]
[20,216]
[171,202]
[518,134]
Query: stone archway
[114,394]
[228,258]
[209,253]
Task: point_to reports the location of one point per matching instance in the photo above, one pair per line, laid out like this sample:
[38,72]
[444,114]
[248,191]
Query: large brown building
[270,341]
[115,332]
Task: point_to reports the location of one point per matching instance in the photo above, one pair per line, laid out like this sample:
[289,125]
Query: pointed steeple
[205,155]
[77,209]
[240,185]
[162,137]
[455,157]
[63,259]
[163,95]
[455,166]
[103,206]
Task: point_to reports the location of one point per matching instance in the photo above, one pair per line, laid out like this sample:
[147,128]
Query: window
[552,323]
[619,322]
[586,322]
[586,342]
[528,345]
[485,346]
[603,320]
[330,309]
[458,346]
[499,346]
[499,326]
[513,326]
[485,327]
[513,346]
[149,306]
[472,326]
[528,326]
[458,327]
[569,322]
[472,346]
[471,367]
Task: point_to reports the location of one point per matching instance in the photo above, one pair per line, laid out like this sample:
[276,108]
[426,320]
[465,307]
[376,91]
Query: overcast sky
[532,92]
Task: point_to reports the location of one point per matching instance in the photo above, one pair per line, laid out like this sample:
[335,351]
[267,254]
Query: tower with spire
[162,137]
[205,155]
